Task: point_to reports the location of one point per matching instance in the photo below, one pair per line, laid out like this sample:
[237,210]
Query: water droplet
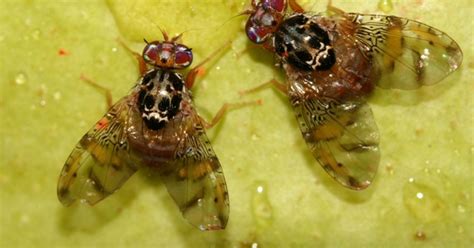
[249,244]
[419,195]
[114,49]
[218,67]
[385,5]
[420,235]
[411,179]
[262,209]
[21,78]
[423,202]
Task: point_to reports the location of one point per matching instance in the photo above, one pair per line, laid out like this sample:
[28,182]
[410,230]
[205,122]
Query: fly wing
[342,135]
[195,179]
[408,54]
[100,163]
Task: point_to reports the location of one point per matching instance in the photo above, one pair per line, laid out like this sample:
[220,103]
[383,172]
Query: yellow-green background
[426,135]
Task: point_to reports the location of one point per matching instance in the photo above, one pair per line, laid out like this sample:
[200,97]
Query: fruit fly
[333,62]
[155,126]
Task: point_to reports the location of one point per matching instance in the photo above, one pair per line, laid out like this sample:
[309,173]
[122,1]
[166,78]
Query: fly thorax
[159,97]
[303,44]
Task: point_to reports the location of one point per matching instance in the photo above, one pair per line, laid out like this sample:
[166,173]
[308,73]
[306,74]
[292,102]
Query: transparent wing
[407,53]
[195,180]
[342,136]
[100,162]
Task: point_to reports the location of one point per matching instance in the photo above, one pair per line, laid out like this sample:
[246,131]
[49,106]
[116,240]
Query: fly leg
[225,108]
[104,90]
[295,6]
[272,83]
[142,68]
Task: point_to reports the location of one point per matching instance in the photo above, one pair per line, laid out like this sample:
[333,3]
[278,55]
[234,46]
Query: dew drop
[114,49]
[385,5]
[419,195]
[21,78]
[420,235]
[249,244]
[423,202]
[261,207]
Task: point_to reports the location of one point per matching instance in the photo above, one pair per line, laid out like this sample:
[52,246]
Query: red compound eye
[263,22]
[183,56]
[278,5]
[150,52]
[256,33]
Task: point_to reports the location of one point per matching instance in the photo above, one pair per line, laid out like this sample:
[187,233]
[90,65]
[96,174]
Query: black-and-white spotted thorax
[302,43]
[159,98]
